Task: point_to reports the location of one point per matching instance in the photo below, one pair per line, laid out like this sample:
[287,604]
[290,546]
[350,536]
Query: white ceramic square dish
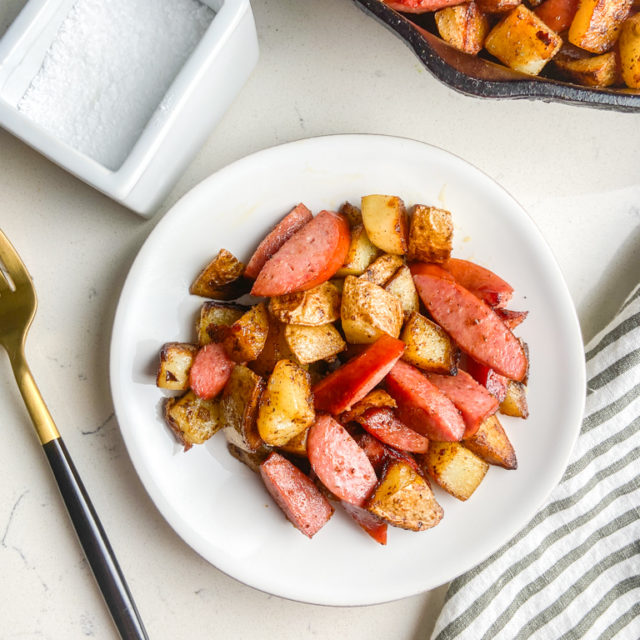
[215,503]
[197,98]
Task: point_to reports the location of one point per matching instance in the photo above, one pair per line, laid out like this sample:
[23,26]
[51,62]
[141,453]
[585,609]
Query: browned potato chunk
[385,219]
[215,320]
[630,52]
[515,402]
[298,444]
[313,307]
[523,42]
[597,71]
[361,254]
[221,278]
[239,407]
[464,27]
[275,349]
[402,287]
[176,359]
[382,269]
[430,234]
[428,346]
[247,335]
[253,460]
[352,214]
[404,499]
[192,419]
[597,24]
[490,443]
[310,344]
[368,311]
[374,399]
[499,6]
[286,406]
[454,468]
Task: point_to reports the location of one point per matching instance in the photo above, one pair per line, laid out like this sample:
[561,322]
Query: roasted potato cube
[239,408]
[382,270]
[515,402]
[404,499]
[430,234]
[192,419]
[352,214]
[215,320]
[523,42]
[454,468]
[385,219]
[286,406]
[253,459]
[490,443]
[428,346]
[629,43]
[247,335]
[221,278]
[373,400]
[310,344]
[275,349]
[298,444]
[402,287]
[361,254]
[176,359]
[464,27]
[368,311]
[597,24]
[597,71]
[498,6]
[312,308]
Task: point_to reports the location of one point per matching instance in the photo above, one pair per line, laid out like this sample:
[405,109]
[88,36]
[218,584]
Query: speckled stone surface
[325,68]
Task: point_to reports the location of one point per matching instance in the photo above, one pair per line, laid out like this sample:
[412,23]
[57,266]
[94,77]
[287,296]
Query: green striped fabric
[574,571]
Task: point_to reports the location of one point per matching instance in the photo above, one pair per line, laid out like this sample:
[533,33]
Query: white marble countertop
[325,68]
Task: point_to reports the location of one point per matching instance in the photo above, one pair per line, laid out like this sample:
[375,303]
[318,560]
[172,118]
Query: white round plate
[216,504]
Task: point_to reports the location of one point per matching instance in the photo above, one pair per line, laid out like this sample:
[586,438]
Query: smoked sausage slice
[383,424]
[294,220]
[210,371]
[308,258]
[480,281]
[478,331]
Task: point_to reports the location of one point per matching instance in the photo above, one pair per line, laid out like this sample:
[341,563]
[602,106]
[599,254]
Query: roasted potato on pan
[247,336]
[312,308]
[430,233]
[428,346]
[310,344]
[490,442]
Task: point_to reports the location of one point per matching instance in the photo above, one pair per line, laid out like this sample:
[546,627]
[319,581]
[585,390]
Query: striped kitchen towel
[574,571]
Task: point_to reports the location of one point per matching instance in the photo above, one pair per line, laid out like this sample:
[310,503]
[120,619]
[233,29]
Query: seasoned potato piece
[176,359]
[464,27]
[275,349]
[402,287]
[523,42]
[361,254]
[352,214]
[430,234]
[239,407]
[310,344]
[192,419]
[247,335]
[597,71]
[221,278]
[313,307]
[298,444]
[385,219]
[428,346]
[338,283]
[381,270]
[368,311]
[373,400]
[253,459]
[597,24]
[215,319]
[454,468]
[515,402]
[498,6]
[490,443]
[630,52]
[286,406]
[404,499]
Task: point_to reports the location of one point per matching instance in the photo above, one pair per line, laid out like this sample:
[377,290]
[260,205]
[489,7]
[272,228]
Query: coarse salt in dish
[108,69]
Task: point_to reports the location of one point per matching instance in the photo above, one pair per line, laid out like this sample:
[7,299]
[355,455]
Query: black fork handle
[95,543]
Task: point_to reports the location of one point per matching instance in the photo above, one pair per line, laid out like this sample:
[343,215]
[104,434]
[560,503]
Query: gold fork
[17,308]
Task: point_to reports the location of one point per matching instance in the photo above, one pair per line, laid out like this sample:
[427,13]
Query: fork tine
[14,265]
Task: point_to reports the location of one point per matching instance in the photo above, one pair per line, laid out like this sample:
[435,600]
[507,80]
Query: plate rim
[165,508]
